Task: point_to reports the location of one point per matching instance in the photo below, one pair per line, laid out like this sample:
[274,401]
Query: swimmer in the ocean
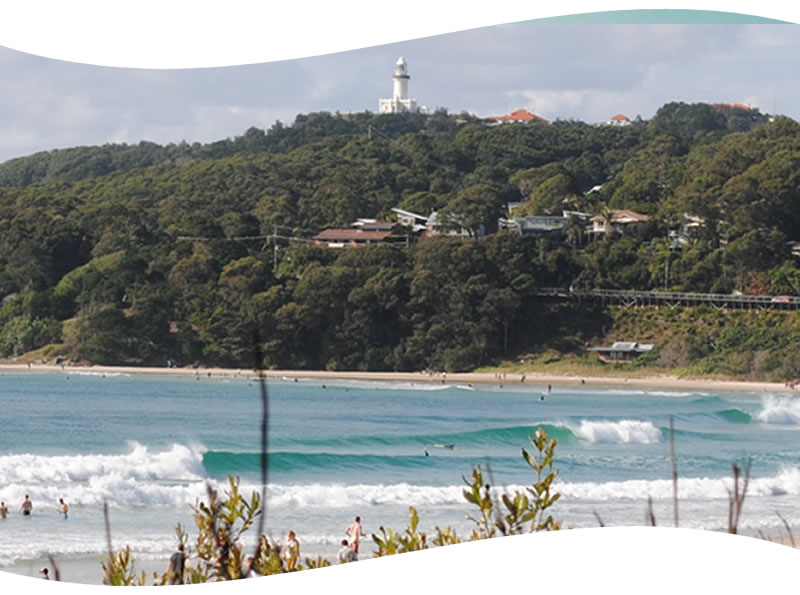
[27,506]
[63,509]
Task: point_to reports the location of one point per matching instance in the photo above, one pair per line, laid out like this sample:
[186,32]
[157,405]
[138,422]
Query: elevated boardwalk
[616,297]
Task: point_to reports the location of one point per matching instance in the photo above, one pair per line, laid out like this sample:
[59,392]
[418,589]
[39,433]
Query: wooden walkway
[615,297]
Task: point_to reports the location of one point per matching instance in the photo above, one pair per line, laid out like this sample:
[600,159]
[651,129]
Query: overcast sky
[584,72]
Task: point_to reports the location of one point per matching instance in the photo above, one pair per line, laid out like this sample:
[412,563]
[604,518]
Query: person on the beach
[346,553]
[45,573]
[27,506]
[177,564]
[355,533]
[290,553]
[3,510]
[63,509]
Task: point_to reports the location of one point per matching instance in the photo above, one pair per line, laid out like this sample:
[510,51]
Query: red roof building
[342,237]
[519,115]
[619,120]
[721,106]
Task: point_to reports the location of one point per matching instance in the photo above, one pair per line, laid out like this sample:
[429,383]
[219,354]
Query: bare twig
[56,571]
[651,518]
[264,429]
[599,520]
[674,472]
[737,495]
[788,528]
[107,522]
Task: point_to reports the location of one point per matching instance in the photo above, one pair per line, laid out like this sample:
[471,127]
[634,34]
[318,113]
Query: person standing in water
[177,564]
[63,509]
[355,533]
[290,553]
[3,510]
[27,506]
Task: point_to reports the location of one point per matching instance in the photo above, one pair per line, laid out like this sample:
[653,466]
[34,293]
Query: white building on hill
[399,101]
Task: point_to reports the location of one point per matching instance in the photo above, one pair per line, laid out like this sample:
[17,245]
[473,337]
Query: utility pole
[274,247]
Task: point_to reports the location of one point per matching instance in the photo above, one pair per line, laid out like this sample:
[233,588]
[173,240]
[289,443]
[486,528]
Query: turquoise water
[147,445]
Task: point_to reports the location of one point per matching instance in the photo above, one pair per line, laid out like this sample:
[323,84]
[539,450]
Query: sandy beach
[527,378]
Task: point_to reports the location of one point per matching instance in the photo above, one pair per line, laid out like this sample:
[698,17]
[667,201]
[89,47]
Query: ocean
[148,444]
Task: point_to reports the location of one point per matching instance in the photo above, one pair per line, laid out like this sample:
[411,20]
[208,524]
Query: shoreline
[485,378]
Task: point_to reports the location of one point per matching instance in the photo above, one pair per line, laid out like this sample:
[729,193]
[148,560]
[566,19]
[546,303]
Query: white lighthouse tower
[399,102]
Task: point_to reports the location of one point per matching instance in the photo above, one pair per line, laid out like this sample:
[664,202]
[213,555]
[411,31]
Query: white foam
[98,374]
[780,410]
[626,431]
[179,462]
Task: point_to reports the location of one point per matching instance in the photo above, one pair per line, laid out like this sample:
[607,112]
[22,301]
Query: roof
[624,347]
[373,225]
[720,106]
[620,118]
[623,216]
[408,214]
[351,235]
[519,115]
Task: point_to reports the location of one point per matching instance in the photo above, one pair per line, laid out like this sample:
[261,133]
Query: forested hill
[93,263]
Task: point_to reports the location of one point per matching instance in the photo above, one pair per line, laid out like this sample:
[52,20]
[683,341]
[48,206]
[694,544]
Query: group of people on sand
[26,508]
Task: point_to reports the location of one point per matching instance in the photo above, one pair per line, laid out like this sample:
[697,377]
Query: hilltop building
[517,116]
[618,120]
[399,102]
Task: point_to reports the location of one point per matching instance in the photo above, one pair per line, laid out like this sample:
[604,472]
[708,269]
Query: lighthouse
[399,102]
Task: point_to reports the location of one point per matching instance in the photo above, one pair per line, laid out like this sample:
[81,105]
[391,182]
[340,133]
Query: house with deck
[621,351]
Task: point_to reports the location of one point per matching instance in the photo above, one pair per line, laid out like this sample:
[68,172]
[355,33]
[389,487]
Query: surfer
[27,506]
[425,450]
[450,446]
[63,509]
[541,397]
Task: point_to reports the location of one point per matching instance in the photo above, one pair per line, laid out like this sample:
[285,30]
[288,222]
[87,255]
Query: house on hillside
[534,225]
[346,237]
[721,106]
[436,226]
[620,221]
[688,231]
[360,232]
[618,120]
[415,222]
[621,351]
[517,116]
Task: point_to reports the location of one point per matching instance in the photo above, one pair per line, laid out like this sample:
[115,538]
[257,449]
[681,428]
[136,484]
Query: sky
[582,72]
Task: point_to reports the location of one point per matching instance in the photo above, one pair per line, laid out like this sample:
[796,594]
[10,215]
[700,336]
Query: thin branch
[788,528]
[651,518]
[737,496]
[108,541]
[597,516]
[56,571]
[259,356]
[674,472]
